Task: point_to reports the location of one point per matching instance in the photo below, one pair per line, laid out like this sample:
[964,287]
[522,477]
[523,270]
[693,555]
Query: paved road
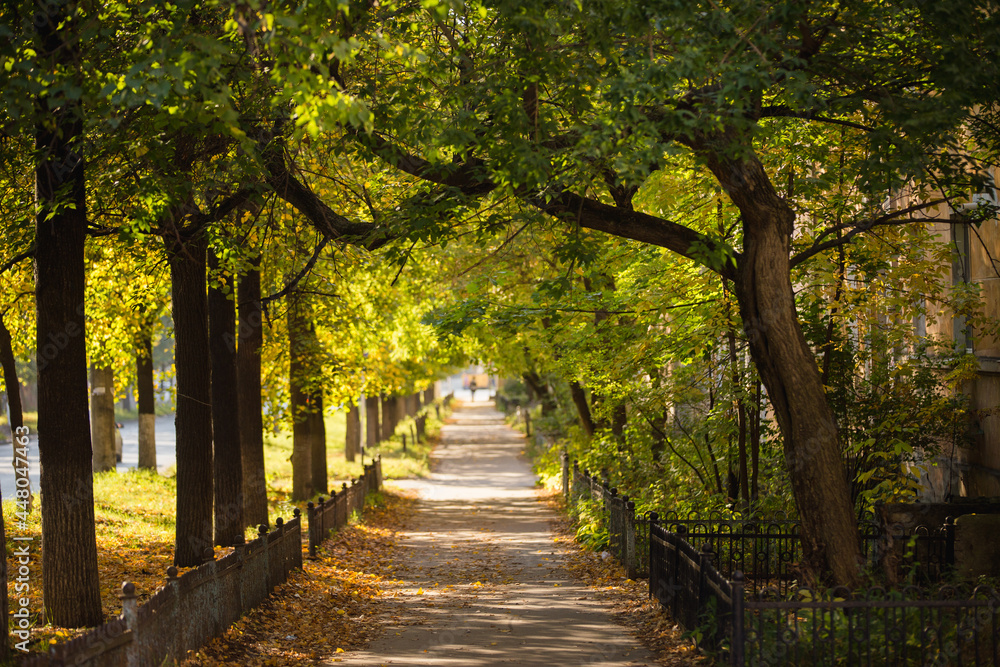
[480,580]
[165,452]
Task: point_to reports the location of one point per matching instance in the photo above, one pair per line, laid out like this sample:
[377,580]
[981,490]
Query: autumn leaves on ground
[340,601]
[334,605]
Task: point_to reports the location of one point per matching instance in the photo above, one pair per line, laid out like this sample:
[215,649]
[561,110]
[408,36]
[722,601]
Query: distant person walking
[473,386]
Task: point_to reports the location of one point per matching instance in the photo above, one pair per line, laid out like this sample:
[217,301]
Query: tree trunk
[541,390]
[70,584]
[13,392]
[429,396]
[755,443]
[298,379]
[582,407]
[228,465]
[19,441]
[352,444]
[192,361]
[619,420]
[248,376]
[102,418]
[388,418]
[10,382]
[317,428]
[371,421]
[788,370]
[146,398]
[741,419]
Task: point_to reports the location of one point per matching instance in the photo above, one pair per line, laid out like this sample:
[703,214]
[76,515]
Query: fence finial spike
[128,590]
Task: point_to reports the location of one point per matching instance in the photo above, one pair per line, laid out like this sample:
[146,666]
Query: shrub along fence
[732,584]
[191,609]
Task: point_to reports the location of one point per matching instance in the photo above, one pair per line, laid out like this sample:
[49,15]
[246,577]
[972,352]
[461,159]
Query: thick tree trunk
[317,428]
[582,407]
[228,465]
[248,375]
[352,444]
[102,418]
[789,372]
[192,362]
[298,378]
[146,398]
[371,421]
[388,417]
[70,584]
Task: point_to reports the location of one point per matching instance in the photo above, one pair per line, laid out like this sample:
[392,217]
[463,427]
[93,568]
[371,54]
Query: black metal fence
[628,535]
[877,626]
[331,514]
[952,626]
[733,584]
[686,583]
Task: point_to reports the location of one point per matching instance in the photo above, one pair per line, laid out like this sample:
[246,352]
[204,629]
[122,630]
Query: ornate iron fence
[873,627]
[796,626]
[686,583]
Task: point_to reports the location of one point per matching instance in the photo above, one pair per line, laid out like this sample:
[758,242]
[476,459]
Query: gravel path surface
[479,579]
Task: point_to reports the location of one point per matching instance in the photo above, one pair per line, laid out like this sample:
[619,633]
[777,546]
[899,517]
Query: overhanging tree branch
[900,217]
[646,228]
[330,223]
[469,178]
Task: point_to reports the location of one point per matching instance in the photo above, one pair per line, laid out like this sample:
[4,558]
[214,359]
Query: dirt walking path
[479,579]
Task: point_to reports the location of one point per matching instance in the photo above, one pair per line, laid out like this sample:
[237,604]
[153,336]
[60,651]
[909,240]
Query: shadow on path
[479,579]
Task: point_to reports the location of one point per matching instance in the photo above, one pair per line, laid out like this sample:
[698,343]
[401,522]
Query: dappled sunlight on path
[479,578]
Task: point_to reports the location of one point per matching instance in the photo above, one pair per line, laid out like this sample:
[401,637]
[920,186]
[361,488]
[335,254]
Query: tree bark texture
[388,417]
[582,407]
[102,418]
[317,428]
[10,381]
[192,361]
[248,376]
[352,444]
[788,370]
[299,384]
[70,584]
[146,398]
[227,463]
[371,421]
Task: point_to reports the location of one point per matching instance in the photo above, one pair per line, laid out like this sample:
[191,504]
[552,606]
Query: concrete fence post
[130,612]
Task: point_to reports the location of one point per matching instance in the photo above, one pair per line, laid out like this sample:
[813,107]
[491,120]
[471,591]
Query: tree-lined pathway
[480,579]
